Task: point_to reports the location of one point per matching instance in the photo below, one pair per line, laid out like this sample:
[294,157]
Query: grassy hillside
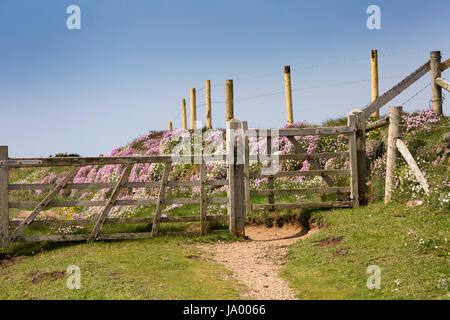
[408,243]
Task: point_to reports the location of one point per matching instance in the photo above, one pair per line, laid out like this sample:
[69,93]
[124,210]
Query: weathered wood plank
[248,200]
[202,185]
[301,132]
[300,191]
[377,124]
[445,65]
[352,122]
[41,205]
[443,84]
[396,90]
[401,146]
[308,173]
[270,179]
[101,203]
[84,161]
[85,186]
[302,156]
[4,213]
[161,195]
[88,222]
[99,225]
[305,205]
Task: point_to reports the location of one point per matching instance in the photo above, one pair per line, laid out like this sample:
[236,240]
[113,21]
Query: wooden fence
[126,165]
[348,195]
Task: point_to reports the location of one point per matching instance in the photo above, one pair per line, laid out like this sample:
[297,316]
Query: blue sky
[125,72]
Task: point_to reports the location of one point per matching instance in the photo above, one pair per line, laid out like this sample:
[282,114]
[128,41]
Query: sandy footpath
[257,263]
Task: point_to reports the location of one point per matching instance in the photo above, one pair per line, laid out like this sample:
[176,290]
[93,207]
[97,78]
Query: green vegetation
[409,244]
[156,268]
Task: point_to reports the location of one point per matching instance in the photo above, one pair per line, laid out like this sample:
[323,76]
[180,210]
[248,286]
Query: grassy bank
[157,268]
[410,245]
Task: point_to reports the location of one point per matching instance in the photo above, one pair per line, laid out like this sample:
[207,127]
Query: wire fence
[318,87]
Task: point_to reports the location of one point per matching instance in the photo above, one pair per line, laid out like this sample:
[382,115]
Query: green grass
[156,268]
[373,235]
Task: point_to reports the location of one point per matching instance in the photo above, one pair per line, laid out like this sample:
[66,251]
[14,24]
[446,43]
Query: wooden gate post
[394,133]
[436,90]
[353,161]
[4,199]
[361,154]
[229,99]
[236,189]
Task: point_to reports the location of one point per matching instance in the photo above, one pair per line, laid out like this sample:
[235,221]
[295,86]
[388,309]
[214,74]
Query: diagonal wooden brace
[161,195]
[315,165]
[44,203]
[101,220]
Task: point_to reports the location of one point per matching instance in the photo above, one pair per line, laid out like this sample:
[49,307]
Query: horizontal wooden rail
[443,84]
[300,156]
[300,191]
[84,186]
[87,222]
[445,65]
[303,205]
[299,132]
[377,124]
[102,237]
[396,90]
[101,203]
[308,173]
[84,161]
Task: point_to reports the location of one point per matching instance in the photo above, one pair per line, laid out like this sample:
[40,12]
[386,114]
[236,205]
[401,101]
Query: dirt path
[257,263]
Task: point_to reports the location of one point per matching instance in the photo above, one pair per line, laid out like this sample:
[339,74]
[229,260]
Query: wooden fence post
[436,90]
[4,199]
[169,126]
[208,105]
[394,133]
[361,154]
[374,69]
[236,189]
[270,180]
[193,109]
[353,161]
[287,82]
[229,99]
[183,113]
[202,182]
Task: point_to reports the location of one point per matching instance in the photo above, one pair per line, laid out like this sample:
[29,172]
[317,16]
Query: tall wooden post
[361,154]
[394,133]
[270,179]
[287,82]
[436,91]
[229,99]
[353,160]
[169,126]
[236,186]
[374,69]
[208,105]
[193,108]
[4,199]
[183,113]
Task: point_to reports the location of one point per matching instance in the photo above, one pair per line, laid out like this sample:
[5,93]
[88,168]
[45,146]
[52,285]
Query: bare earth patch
[257,263]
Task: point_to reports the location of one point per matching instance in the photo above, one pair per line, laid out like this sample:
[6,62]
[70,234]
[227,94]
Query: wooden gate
[347,195]
[12,230]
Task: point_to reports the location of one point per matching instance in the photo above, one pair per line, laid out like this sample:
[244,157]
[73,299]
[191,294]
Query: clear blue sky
[127,69]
